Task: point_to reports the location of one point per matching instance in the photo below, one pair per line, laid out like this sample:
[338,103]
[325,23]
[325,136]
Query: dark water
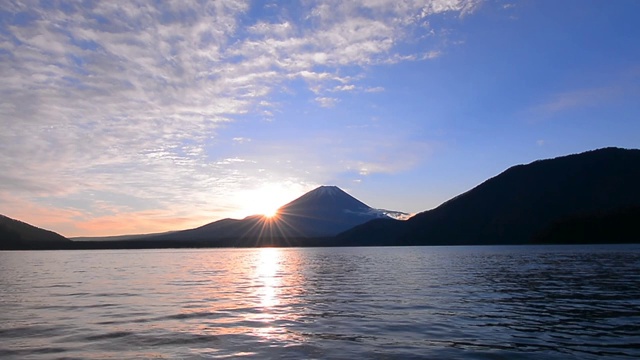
[554,302]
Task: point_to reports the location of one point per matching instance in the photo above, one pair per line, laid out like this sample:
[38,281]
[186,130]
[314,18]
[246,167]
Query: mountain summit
[323,212]
[329,199]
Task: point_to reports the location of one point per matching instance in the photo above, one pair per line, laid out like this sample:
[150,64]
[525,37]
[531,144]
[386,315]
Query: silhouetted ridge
[15,234]
[522,201]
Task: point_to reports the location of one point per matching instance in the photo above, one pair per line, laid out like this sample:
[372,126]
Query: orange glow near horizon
[265,199]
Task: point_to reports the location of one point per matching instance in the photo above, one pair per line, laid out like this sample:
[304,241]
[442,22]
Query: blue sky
[144,116]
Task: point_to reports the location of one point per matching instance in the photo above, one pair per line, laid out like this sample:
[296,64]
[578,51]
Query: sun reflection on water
[251,292]
[267,272]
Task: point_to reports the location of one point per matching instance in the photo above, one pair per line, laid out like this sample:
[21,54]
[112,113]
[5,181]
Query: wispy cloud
[578,99]
[117,102]
[374,89]
[241,140]
[350,87]
[607,94]
[327,102]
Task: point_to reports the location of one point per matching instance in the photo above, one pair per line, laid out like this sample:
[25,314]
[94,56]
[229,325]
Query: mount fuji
[323,212]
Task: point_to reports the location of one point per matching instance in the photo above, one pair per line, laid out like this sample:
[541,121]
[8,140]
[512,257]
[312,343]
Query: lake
[511,302]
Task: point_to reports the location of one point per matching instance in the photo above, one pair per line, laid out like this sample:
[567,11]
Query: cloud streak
[118,102]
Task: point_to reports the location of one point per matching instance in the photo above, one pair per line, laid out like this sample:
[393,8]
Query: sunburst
[265,199]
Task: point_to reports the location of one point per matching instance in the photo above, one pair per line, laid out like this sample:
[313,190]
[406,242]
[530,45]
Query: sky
[129,117]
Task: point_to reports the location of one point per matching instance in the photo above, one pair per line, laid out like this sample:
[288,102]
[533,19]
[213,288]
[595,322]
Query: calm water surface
[514,302]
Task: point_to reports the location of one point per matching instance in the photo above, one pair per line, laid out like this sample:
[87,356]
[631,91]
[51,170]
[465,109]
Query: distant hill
[118,237]
[15,234]
[520,204]
[323,212]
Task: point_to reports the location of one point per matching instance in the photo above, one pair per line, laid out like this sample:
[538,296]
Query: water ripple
[463,302]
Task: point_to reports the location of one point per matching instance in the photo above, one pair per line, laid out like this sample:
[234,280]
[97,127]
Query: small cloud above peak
[344,88]
[374,89]
[241,140]
[327,102]
[276,29]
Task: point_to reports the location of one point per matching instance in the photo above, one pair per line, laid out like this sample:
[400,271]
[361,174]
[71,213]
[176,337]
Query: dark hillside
[522,201]
[15,234]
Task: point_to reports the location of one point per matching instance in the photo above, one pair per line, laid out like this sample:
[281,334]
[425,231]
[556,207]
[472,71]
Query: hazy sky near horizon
[122,117]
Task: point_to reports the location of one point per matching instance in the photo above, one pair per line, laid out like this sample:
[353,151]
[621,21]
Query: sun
[264,203]
[265,199]
[269,212]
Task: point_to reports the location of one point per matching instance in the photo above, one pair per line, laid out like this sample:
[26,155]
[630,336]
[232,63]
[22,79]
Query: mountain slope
[521,202]
[619,225]
[322,212]
[15,234]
